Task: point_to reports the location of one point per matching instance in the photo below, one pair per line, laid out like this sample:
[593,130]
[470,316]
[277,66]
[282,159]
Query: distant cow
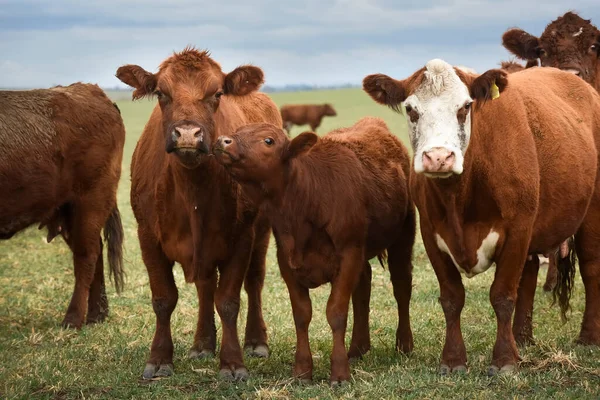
[188,209]
[486,189]
[512,66]
[570,43]
[305,114]
[334,203]
[60,166]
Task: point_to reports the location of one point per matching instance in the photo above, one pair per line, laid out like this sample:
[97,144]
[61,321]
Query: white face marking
[578,32]
[437,101]
[485,253]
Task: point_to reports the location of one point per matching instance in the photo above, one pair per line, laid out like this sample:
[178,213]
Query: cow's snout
[438,160]
[187,136]
[224,141]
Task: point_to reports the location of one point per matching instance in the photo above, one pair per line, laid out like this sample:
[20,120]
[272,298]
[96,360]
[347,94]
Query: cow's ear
[488,85]
[301,144]
[135,76]
[243,80]
[521,44]
[385,90]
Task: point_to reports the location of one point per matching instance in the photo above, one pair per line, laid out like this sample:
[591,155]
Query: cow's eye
[269,141]
[594,48]
[542,53]
[468,105]
[408,108]
[158,94]
[218,94]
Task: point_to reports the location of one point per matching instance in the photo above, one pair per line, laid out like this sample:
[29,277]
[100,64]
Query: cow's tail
[565,260]
[113,237]
[382,258]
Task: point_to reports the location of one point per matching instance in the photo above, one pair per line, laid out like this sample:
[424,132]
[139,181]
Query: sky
[313,42]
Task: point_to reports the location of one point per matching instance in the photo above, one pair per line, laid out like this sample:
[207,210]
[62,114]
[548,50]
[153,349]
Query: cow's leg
[452,300]
[255,342]
[400,265]
[205,339]
[351,265]
[551,274]
[164,300]
[503,296]
[361,341]
[587,243]
[522,322]
[302,311]
[85,242]
[97,300]
[227,300]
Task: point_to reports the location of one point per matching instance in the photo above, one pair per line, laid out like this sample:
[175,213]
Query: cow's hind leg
[523,320]
[255,342]
[97,300]
[361,340]
[164,300]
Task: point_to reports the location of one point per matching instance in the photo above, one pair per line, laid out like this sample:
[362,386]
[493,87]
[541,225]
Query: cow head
[255,153]
[570,43]
[329,110]
[189,87]
[438,101]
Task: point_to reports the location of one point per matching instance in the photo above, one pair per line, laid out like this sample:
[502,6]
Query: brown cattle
[305,114]
[60,166]
[512,66]
[570,43]
[334,203]
[190,211]
[486,191]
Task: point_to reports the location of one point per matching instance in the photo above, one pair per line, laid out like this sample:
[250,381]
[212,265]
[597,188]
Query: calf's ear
[301,144]
[385,90]
[243,80]
[135,76]
[521,44]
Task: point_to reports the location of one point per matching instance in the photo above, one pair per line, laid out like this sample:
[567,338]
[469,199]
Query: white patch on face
[437,100]
[485,253]
[578,32]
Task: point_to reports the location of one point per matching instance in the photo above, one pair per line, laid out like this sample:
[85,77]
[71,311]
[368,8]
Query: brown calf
[486,189]
[305,114]
[60,166]
[188,209]
[334,203]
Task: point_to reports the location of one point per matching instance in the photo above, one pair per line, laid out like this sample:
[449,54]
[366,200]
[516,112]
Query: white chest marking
[485,252]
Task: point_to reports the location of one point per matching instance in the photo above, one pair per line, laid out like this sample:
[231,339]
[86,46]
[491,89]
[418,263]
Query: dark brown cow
[188,209]
[334,203]
[486,188]
[60,166]
[570,43]
[305,114]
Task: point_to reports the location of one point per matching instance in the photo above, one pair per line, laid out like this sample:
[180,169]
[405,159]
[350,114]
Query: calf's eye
[218,94]
[269,141]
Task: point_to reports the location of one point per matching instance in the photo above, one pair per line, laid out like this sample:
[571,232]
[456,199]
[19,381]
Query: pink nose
[438,159]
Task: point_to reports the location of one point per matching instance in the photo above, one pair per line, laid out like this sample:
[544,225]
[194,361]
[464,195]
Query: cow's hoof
[71,322]
[238,374]
[446,370]
[505,370]
[260,350]
[339,384]
[195,354]
[157,371]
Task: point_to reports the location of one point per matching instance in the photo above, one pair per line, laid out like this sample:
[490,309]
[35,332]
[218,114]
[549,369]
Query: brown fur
[305,114]
[334,203]
[509,184]
[190,211]
[559,48]
[60,166]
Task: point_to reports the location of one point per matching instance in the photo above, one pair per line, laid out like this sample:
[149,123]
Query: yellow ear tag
[495,91]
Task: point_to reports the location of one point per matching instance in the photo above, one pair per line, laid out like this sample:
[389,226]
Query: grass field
[38,359]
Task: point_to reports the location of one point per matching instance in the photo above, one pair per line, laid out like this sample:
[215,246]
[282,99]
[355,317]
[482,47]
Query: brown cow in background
[334,203]
[60,166]
[190,211]
[512,66]
[305,114]
[486,189]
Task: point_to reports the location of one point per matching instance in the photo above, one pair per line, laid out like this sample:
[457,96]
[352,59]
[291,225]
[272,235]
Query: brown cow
[303,114]
[512,66]
[188,209]
[570,43]
[486,189]
[334,203]
[60,166]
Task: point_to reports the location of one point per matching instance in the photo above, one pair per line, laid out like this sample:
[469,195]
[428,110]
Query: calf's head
[257,153]
[438,100]
[189,87]
[329,110]
[570,43]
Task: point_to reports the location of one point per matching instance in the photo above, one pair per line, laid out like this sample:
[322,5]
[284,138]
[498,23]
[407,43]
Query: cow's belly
[477,256]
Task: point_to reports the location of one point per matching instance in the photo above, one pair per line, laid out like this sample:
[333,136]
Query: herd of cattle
[505,167]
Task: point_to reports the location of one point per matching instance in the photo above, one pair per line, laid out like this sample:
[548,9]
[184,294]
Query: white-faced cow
[486,191]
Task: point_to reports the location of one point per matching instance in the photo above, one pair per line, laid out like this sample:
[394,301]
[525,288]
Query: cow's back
[258,107]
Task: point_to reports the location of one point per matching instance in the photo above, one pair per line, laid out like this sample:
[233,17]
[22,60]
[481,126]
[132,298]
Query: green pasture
[38,359]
